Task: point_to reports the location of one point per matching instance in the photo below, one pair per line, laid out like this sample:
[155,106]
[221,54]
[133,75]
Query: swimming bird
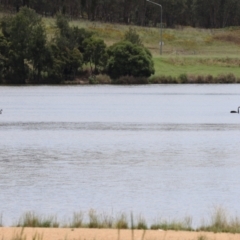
[235,111]
[1,111]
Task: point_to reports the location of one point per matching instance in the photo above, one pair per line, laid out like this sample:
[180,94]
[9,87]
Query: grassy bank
[201,55]
[218,222]
[197,65]
[186,50]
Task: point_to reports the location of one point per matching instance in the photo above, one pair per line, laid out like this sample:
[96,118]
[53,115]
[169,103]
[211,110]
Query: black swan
[235,111]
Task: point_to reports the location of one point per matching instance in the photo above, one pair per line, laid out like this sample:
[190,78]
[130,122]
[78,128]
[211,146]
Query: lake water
[163,151]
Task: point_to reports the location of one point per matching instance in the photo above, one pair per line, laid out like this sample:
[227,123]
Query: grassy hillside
[178,41]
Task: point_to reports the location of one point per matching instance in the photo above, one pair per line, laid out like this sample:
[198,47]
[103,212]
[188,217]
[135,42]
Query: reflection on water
[163,151]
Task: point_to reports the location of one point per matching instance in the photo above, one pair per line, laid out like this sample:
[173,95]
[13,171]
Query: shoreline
[103,79]
[11,233]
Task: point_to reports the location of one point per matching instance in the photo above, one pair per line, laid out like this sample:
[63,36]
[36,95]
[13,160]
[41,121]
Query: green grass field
[197,65]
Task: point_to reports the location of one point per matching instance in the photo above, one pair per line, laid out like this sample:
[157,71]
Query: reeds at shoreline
[219,222]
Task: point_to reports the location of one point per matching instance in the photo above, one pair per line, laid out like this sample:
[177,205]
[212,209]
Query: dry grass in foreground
[220,226]
[219,222]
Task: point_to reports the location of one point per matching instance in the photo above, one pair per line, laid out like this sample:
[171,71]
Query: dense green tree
[215,13]
[17,31]
[127,59]
[68,47]
[38,51]
[3,60]
[72,37]
[26,43]
[65,62]
[203,13]
[95,53]
[63,26]
[76,61]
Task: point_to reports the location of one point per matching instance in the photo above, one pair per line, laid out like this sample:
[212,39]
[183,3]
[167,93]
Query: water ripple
[105,126]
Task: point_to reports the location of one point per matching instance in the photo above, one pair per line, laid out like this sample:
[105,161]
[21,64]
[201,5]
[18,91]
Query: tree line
[28,55]
[195,13]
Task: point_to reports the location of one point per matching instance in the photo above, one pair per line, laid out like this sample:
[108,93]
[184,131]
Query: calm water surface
[161,151]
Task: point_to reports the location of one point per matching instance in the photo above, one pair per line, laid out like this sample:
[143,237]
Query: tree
[63,26]
[127,59]
[66,50]
[76,61]
[65,61]
[3,59]
[132,36]
[203,13]
[95,53]
[38,51]
[72,37]
[26,40]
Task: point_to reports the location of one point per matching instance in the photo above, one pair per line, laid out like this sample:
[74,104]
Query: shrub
[92,79]
[131,80]
[183,78]
[127,59]
[196,79]
[209,79]
[229,78]
[103,79]
[163,80]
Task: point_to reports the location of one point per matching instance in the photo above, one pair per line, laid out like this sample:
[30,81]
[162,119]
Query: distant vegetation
[60,50]
[194,13]
[27,56]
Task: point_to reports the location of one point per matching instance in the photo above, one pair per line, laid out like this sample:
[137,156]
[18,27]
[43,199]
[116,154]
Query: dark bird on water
[235,111]
[1,111]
